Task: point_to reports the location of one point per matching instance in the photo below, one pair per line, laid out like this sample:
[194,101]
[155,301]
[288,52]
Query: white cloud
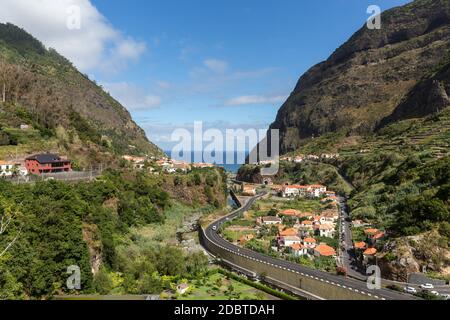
[96,45]
[132,97]
[217,66]
[255,99]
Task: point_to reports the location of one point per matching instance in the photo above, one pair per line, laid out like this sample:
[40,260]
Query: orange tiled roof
[307,223]
[289,212]
[297,246]
[371,231]
[370,252]
[288,233]
[310,240]
[360,245]
[379,235]
[325,250]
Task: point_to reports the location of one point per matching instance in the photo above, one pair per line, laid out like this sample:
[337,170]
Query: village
[305,224]
[52,165]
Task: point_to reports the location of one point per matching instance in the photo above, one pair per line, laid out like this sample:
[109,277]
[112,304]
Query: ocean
[197,157]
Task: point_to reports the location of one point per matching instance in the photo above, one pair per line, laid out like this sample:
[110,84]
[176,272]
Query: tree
[102,282]
[9,228]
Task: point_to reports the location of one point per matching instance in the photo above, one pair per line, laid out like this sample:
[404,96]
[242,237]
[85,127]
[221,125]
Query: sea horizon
[232,167]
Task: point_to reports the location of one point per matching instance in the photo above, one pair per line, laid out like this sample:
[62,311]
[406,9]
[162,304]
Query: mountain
[366,82]
[67,111]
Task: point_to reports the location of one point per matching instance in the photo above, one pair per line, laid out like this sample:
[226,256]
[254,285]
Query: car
[435,293]
[410,290]
[427,286]
[214,228]
[445,296]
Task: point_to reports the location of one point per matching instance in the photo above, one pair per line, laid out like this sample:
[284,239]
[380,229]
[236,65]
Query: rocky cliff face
[367,78]
[430,95]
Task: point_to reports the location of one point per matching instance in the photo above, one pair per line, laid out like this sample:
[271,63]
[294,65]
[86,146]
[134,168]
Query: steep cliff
[367,78]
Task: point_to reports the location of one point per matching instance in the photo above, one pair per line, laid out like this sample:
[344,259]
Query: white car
[214,228]
[410,290]
[427,286]
[435,293]
[445,296]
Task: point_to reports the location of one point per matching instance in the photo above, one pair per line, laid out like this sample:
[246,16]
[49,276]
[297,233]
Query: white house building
[269,221]
[327,230]
[7,169]
[288,241]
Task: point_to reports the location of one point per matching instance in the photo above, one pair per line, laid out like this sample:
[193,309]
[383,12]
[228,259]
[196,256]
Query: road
[348,256]
[212,234]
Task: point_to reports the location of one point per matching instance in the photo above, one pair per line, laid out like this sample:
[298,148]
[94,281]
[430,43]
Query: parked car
[410,290]
[445,296]
[214,228]
[427,286]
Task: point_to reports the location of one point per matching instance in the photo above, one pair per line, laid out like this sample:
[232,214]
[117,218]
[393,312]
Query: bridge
[298,279]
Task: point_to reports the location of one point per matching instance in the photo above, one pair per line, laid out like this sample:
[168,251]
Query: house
[7,169]
[373,239]
[288,241]
[307,225]
[182,166]
[374,234]
[359,224]
[294,191]
[369,255]
[309,243]
[327,230]
[289,232]
[360,245]
[330,216]
[323,250]
[270,221]
[290,213]
[182,288]
[370,252]
[299,250]
[315,191]
[47,163]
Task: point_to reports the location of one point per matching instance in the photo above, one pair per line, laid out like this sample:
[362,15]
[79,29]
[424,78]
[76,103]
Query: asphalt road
[344,282]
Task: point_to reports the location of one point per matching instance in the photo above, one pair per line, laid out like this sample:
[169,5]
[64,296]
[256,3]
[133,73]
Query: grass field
[218,287]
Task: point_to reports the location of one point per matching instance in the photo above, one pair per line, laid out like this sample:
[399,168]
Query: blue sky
[228,63]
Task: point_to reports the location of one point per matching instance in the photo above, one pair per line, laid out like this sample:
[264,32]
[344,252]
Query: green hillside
[68,112]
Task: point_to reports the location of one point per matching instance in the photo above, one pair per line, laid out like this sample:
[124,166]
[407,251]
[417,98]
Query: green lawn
[217,287]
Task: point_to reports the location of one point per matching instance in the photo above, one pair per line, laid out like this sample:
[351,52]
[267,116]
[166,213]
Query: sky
[228,63]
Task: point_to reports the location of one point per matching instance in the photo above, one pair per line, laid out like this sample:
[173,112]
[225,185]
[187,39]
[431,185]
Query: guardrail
[302,284]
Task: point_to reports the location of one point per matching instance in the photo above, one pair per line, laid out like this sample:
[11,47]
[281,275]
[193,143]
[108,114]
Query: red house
[47,163]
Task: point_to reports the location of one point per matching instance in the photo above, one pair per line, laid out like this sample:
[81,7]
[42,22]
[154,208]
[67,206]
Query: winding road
[211,233]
